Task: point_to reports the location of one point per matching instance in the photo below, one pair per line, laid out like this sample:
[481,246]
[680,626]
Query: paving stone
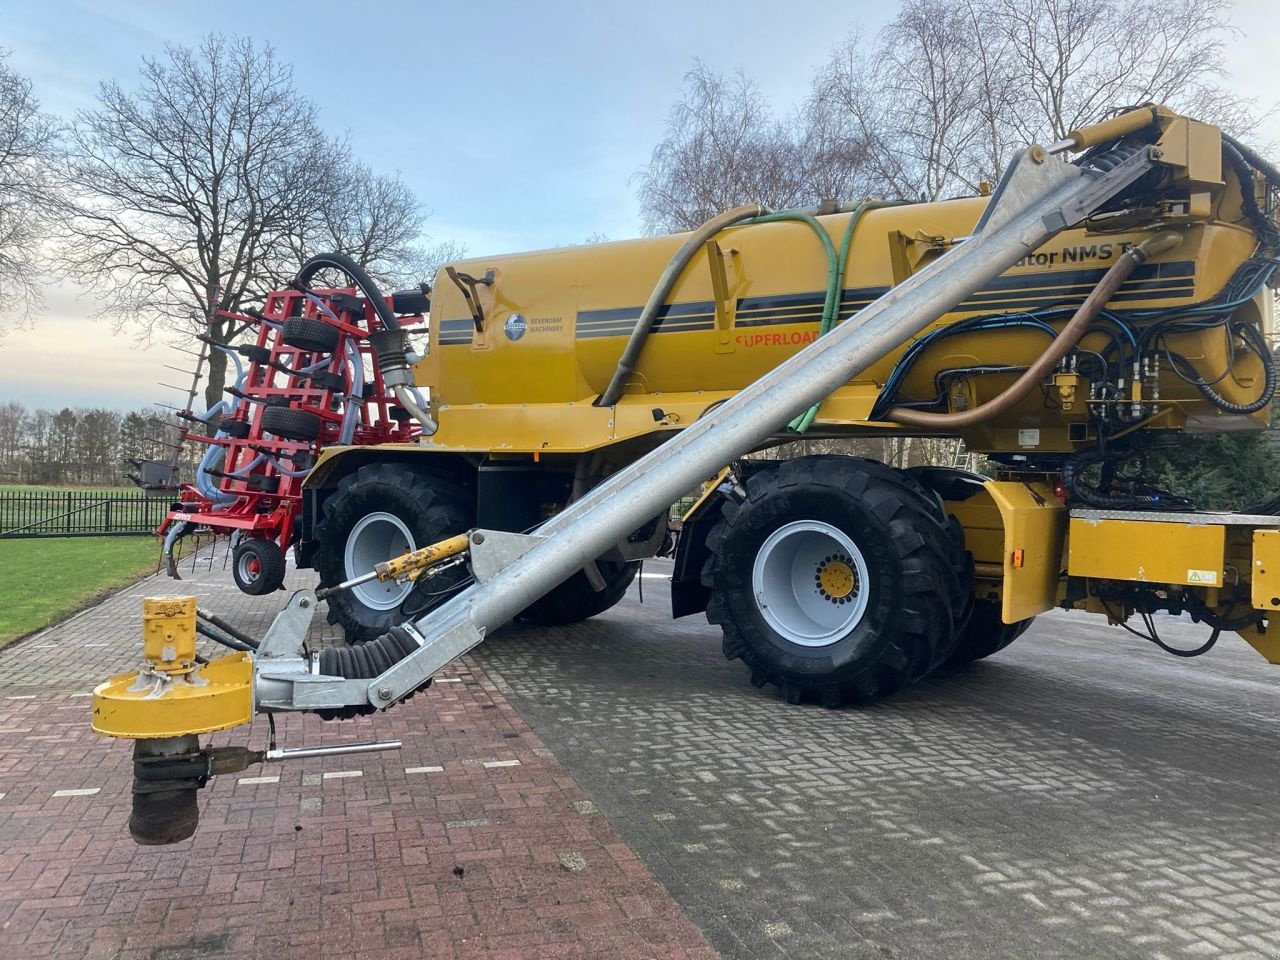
[1079,794]
[412,854]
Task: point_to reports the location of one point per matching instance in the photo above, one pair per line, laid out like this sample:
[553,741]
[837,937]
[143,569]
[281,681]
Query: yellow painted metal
[414,562]
[169,633]
[1121,125]
[1265,639]
[1147,551]
[707,490]
[535,392]
[143,705]
[1264,575]
[836,579]
[1035,525]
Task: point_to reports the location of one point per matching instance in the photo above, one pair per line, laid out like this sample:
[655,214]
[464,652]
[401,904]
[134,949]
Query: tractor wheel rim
[377,537]
[810,583]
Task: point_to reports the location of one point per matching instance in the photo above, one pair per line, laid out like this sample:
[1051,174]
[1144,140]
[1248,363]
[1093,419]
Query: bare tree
[1074,60]
[27,194]
[946,91]
[927,99]
[205,187]
[376,220]
[186,188]
[723,147]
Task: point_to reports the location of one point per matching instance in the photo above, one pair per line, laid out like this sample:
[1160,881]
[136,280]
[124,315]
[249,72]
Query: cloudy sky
[521,124]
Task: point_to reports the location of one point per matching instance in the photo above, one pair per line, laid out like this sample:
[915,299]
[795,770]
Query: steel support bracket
[494,550]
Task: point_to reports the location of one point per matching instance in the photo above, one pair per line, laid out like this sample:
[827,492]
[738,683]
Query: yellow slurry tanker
[1109,296]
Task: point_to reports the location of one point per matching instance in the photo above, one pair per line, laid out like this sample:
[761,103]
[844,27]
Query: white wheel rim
[810,583]
[377,537]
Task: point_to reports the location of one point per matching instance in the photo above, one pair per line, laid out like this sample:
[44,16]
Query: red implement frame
[257,487]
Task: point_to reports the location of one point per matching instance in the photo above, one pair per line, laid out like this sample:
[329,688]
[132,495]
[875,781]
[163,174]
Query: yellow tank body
[555,322]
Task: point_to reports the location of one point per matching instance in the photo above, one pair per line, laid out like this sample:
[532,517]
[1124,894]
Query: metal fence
[60,513]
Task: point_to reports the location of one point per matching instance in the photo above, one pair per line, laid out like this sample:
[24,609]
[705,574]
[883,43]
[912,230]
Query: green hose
[835,276]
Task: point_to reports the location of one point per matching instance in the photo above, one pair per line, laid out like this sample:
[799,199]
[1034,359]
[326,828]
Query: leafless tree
[946,91]
[207,185]
[926,98]
[723,147]
[1074,60]
[377,220]
[28,141]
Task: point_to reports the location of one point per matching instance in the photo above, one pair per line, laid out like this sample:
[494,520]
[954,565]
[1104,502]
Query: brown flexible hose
[1062,344]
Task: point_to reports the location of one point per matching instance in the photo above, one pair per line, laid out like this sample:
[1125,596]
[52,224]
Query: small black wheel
[236,429]
[307,333]
[826,580]
[258,566]
[985,634]
[378,512]
[291,424]
[576,600]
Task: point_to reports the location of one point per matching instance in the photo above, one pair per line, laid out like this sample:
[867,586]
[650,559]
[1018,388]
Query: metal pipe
[1035,201]
[640,333]
[406,399]
[1062,344]
[275,754]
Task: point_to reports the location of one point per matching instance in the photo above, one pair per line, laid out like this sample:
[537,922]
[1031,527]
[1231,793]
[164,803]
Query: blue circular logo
[515,326]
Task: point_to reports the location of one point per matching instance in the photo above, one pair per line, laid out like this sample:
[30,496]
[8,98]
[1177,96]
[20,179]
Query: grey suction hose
[1059,348]
[687,251]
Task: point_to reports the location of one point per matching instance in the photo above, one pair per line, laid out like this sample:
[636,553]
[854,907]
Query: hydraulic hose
[357,273]
[1059,348]
[666,283]
[835,285]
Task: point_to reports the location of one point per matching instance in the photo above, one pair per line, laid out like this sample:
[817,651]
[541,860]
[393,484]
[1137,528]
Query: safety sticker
[1202,576]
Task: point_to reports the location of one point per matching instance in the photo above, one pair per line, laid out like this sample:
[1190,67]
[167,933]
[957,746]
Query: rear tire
[985,634]
[576,600]
[825,580]
[380,511]
[258,566]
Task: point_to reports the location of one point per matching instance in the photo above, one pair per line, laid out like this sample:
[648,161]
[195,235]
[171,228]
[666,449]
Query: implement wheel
[258,567]
[381,511]
[290,424]
[306,333]
[833,580]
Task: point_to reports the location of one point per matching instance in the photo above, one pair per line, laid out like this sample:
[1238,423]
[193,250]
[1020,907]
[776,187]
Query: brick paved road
[1079,795]
[472,842]
[1066,799]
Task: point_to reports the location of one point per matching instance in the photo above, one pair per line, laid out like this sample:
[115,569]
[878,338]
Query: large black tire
[814,536]
[380,511]
[291,424]
[985,634]
[306,333]
[576,600]
[257,567]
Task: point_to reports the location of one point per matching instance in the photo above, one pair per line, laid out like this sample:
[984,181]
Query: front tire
[826,580]
[382,511]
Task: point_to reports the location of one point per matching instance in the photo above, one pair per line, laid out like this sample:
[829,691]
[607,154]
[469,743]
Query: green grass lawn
[43,581]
